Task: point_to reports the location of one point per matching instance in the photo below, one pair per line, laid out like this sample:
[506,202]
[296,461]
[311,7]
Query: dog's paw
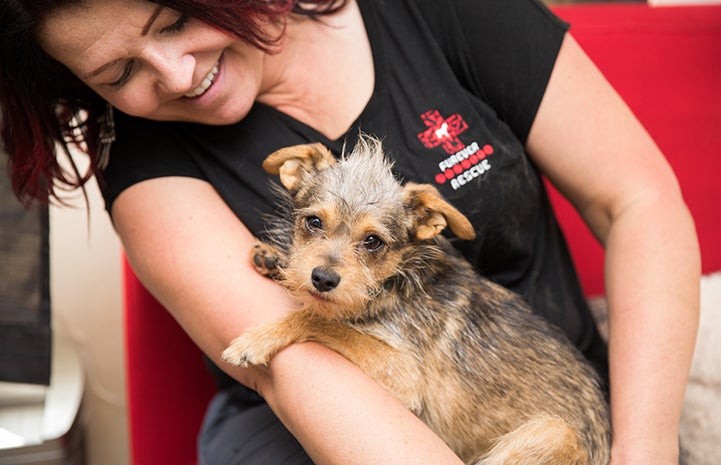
[246,351]
[266,260]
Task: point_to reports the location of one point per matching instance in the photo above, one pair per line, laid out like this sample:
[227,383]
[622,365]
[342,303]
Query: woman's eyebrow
[101,69]
[143,32]
[152,19]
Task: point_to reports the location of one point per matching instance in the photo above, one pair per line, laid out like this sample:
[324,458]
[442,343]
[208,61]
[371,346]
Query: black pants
[239,428]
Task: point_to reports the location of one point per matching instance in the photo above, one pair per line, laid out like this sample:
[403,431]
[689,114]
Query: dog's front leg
[268,260]
[257,345]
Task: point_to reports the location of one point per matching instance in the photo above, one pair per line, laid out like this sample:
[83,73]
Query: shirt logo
[443,131]
[465,162]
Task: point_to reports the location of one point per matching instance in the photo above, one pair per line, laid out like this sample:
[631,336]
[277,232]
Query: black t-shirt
[457,87]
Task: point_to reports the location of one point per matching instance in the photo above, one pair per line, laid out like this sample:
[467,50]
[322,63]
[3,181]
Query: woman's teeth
[205,85]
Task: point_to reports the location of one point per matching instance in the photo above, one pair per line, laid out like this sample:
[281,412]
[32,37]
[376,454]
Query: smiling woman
[151,60]
[54,105]
[206,89]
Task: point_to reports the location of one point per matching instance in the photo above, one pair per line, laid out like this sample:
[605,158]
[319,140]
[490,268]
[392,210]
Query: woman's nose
[174,70]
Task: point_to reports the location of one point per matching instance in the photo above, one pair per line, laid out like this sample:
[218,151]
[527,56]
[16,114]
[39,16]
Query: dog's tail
[543,440]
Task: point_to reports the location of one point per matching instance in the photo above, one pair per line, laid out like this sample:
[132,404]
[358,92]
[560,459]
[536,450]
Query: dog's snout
[324,279]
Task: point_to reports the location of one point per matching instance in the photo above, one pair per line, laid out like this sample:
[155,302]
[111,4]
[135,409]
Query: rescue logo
[465,162]
[442,131]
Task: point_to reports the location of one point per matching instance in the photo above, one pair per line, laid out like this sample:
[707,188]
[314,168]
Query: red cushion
[666,63]
[168,384]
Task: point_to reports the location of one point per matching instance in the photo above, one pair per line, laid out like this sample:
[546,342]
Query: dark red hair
[44,107]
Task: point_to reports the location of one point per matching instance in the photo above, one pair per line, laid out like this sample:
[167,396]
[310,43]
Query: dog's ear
[432,213]
[292,163]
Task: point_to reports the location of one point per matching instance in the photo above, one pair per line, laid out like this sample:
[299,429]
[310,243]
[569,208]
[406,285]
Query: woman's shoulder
[142,150]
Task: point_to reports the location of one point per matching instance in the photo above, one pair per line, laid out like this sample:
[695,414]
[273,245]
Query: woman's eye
[373,243]
[313,223]
[125,77]
[178,25]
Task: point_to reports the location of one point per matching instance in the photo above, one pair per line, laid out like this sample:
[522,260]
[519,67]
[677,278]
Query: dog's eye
[313,223]
[372,243]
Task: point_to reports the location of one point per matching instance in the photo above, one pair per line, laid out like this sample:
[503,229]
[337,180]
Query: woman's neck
[323,74]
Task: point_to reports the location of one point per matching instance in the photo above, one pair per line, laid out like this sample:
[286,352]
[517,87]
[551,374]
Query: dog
[375,281]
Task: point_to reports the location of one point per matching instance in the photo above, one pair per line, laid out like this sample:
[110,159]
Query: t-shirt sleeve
[503,51]
[145,150]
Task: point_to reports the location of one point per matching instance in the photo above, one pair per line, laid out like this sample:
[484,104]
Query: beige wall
[86,304]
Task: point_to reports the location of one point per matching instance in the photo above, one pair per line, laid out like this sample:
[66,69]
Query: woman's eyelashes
[177,26]
[125,77]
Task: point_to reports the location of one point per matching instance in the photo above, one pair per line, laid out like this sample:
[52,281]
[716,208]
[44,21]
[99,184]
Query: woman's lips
[205,84]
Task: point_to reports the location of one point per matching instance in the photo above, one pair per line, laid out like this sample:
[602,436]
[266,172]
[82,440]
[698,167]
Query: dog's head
[354,223]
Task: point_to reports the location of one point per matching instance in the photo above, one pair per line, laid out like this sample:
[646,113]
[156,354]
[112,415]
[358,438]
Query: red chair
[167,382]
[666,63]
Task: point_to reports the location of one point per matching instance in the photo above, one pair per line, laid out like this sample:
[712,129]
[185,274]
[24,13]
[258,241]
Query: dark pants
[239,428]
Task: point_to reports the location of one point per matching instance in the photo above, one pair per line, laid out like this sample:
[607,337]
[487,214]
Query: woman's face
[155,63]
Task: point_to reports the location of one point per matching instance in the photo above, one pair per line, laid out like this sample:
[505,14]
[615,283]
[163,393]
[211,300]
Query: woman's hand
[645,452]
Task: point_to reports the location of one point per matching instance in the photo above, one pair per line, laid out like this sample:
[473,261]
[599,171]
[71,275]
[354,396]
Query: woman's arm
[589,144]
[192,253]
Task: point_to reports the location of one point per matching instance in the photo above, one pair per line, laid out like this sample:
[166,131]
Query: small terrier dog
[377,283]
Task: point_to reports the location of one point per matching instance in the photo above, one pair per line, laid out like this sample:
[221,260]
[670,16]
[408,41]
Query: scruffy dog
[376,282]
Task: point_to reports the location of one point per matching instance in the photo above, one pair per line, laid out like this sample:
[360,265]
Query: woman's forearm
[341,416]
[653,276]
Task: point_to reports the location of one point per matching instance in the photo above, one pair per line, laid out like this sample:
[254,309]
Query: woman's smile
[206,84]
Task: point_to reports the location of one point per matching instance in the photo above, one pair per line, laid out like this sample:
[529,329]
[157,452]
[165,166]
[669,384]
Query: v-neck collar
[371,27]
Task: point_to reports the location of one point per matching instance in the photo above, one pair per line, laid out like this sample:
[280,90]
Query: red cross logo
[443,131]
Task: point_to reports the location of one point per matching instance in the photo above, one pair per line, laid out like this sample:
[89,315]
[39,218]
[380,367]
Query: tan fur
[290,163]
[435,213]
[377,283]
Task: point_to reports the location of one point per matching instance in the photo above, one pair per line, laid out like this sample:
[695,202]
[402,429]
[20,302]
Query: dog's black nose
[324,279]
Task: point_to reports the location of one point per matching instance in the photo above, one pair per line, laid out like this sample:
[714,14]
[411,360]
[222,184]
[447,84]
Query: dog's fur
[377,283]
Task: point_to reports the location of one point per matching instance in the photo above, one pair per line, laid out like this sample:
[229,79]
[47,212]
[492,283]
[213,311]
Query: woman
[205,92]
